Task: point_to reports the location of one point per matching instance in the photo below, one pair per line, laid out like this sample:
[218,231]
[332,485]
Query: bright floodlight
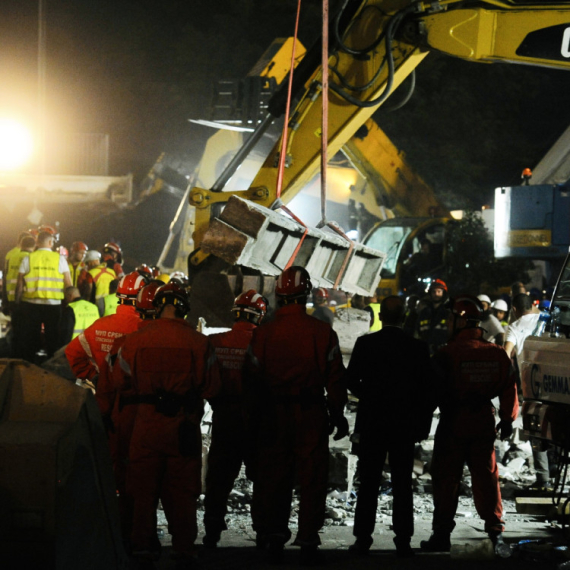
[16,145]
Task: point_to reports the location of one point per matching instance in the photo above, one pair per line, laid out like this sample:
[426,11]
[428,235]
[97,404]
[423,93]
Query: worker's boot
[275,547]
[361,545]
[311,556]
[144,560]
[403,548]
[211,538]
[438,542]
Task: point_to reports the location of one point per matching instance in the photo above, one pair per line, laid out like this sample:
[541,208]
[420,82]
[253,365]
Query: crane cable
[282,154]
[324,148]
[325,111]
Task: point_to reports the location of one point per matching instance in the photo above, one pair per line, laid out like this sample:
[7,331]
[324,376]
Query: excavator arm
[375,46]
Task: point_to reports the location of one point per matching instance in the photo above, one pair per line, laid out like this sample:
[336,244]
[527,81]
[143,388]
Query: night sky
[139,70]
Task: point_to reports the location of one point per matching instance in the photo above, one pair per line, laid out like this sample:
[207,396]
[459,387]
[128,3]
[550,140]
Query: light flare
[16,145]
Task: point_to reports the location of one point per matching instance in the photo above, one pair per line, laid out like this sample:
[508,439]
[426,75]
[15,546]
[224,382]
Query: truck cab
[415,252]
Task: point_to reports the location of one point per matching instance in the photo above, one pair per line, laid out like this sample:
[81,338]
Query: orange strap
[292,259]
[103,270]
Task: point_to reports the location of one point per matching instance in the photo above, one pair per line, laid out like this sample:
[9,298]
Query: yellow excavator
[374,46]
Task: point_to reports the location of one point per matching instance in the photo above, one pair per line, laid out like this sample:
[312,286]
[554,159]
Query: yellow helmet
[164,277]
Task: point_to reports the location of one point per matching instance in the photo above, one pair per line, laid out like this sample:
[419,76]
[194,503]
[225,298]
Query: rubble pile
[515,471]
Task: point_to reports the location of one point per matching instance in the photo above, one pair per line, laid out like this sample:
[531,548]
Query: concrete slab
[542,506]
[250,235]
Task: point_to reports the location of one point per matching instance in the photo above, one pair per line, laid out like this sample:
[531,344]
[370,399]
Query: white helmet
[91,255]
[500,305]
[484,299]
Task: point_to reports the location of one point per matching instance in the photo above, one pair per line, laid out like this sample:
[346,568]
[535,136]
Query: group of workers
[271,412]
[278,387]
[52,294]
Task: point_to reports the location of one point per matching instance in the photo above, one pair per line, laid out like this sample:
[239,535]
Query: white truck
[545,370]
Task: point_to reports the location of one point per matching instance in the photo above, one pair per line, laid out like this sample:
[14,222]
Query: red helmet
[130,285]
[252,304]
[468,307]
[115,250]
[79,246]
[33,232]
[145,297]
[143,268]
[172,294]
[320,295]
[49,229]
[294,282]
[438,284]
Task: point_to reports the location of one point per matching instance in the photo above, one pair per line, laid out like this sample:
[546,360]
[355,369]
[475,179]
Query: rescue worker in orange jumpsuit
[171,368]
[113,257]
[228,447]
[293,360]
[471,372]
[86,353]
[118,415]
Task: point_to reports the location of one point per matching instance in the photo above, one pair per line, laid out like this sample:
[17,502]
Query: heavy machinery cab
[415,252]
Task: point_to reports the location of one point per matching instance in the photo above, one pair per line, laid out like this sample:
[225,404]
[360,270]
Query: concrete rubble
[515,474]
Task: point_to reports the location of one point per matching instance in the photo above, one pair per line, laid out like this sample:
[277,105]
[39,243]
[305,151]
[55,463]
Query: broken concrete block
[535,506]
[254,236]
[335,514]
[512,470]
[419,467]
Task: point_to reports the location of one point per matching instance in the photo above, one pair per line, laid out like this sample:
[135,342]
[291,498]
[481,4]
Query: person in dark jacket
[390,373]
[431,325]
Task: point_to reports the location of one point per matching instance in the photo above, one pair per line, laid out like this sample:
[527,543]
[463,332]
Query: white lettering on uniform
[565,51]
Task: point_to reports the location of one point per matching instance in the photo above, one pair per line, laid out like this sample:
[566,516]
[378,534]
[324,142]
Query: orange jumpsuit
[227,451]
[114,406]
[292,361]
[86,353]
[171,368]
[472,372]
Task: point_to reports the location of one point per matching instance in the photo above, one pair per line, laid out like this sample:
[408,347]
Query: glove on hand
[505,428]
[341,425]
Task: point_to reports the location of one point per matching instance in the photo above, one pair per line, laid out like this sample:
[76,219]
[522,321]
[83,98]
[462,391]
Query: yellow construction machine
[374,46]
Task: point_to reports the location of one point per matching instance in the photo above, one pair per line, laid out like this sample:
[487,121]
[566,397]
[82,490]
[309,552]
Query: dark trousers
[225,458]
[31,318]
[370,463]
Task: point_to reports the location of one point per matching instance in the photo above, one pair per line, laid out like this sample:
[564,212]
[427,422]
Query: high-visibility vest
[376,323]
[86,314]
[13,260]
[75,270]
[44,281]
[102,277]
[111,304]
